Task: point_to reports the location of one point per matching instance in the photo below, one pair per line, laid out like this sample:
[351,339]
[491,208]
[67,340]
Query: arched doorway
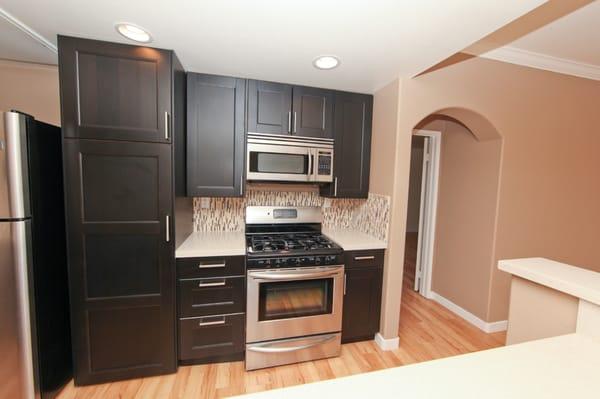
[452,250]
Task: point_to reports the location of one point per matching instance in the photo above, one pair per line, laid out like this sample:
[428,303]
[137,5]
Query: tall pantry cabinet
[123,118]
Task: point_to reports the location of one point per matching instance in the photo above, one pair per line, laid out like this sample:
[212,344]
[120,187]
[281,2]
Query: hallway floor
[427,331]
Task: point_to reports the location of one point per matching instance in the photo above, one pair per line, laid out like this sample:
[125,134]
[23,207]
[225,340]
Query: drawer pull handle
[364,257]
[212,323]
[211,284]
[211,265]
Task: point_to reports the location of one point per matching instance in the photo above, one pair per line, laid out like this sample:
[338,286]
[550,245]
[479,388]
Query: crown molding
[27,30]
[531,59]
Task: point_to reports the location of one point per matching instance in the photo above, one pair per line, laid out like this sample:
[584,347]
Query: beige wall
[538,312]
[384,161]
[548,196]
[30,88]
[414,188]
[465,225]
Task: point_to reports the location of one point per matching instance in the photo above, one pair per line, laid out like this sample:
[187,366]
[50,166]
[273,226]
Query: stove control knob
[318,260]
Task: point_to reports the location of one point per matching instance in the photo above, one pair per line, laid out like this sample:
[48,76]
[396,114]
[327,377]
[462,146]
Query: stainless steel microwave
[273,157]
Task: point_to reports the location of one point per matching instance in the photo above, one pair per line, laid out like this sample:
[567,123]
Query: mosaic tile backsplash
[371,215]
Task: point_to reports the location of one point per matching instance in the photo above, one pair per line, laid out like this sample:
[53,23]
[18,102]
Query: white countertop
[572,280]
[558,367]
[354,240]
[214,243]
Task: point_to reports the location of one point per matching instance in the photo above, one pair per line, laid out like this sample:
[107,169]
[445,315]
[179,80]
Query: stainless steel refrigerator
[35,345]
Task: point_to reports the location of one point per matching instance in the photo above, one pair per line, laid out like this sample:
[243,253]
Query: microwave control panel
[324,164]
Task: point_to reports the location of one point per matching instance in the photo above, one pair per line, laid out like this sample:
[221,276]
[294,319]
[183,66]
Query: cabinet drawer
[211,267]
[364,258]
[203,297]
[212,339]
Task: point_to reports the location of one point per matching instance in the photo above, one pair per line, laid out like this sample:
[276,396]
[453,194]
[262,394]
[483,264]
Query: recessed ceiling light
[133,32]
[326,62]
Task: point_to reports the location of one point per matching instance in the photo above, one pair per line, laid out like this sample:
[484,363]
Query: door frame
[428,211]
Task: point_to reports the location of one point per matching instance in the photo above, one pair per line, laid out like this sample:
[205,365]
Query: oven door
[274,162]
[286,303]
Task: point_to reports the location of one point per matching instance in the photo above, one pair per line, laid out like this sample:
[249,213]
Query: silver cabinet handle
[344,283]
[242,183]
[289,121]
[335,187]
[210,265]
[212,323]
[166,125]
[294,121]
[268,348]
[211,284]
[364,257]
[167,227]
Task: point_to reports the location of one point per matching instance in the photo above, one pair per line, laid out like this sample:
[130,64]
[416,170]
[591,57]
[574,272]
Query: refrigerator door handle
[21,256]
[14,176]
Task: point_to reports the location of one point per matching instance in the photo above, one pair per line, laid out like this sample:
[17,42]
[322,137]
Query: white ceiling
[17,45]
[376,40]
[574,37]
[570,45]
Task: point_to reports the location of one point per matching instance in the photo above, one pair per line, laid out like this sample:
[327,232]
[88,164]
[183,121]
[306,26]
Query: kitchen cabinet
[312,112]
[362,299]
[118,199]
[352,135]
[215,135]
[269,107]
[212,309]
[277,108]
[114,91]
[121,110]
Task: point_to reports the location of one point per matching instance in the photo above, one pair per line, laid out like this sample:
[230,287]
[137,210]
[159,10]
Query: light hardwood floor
[427,331]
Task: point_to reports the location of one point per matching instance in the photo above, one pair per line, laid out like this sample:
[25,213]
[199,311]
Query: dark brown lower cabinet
[122,280]
[211,295]
[362,301]
[212,339]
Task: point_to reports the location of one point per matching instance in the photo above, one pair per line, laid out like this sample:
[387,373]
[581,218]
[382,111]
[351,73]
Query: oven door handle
[268,348]
[279,276]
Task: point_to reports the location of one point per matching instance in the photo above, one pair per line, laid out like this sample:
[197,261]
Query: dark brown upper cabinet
[114,91]
[277,108]
[215,135]
[352,134]
[121,265]
[269,107]
[312,112]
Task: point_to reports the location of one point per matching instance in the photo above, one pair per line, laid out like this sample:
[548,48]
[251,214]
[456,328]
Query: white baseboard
[387,344]
[468,316]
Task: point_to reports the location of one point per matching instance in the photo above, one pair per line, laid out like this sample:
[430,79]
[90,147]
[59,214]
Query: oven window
[286,299]
[270,162]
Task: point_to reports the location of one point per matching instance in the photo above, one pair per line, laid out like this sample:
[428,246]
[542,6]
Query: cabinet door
[114,91]
[352,133]
[269,107]
[215,135]
[362,303]
[121,259]
[312,112]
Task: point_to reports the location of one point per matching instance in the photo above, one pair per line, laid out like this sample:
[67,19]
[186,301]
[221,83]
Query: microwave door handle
[310,164]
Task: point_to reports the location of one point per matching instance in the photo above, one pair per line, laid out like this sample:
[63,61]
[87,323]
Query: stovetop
[283,237]
[285,250]
[287,244]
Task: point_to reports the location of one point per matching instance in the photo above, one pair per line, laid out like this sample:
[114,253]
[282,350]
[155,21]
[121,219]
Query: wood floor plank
[427,331]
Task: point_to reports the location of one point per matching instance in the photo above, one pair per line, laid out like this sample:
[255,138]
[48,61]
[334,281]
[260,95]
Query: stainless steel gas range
[295,287]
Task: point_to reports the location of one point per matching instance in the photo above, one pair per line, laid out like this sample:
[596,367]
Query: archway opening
[451,213]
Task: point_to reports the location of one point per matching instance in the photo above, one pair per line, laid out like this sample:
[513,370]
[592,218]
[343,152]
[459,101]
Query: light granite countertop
[552,368]
[214,243]
[354,240]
